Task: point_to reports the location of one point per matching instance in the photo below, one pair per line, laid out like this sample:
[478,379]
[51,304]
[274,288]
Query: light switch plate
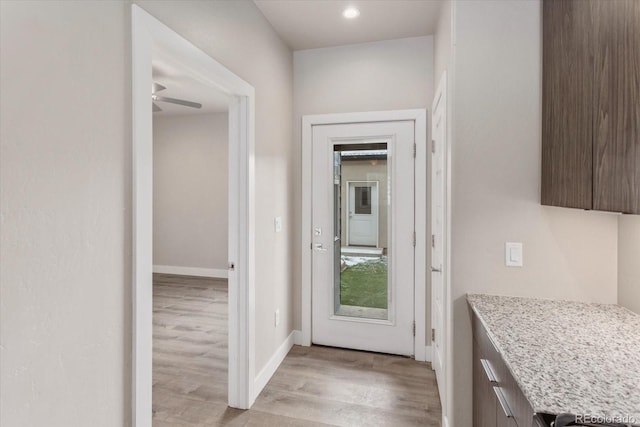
[277,224]
[513,254]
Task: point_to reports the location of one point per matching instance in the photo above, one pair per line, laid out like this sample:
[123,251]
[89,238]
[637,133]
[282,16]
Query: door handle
[436,270]
[503,402]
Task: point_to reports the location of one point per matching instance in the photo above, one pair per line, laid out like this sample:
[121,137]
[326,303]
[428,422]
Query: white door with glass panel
[362,297]
[362,223]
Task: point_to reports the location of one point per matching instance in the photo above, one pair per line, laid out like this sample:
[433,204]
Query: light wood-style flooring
[314,386]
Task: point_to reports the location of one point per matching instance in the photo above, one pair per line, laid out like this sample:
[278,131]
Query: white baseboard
[191,271]
[297,337]
[445,421]
[272,365]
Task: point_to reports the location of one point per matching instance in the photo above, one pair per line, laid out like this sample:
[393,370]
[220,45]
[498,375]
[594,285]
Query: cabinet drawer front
[517,404]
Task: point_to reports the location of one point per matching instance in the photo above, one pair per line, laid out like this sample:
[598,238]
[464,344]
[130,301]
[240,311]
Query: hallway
[314,386]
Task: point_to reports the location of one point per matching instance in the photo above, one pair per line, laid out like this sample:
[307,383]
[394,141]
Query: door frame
[419,116]
[377,210]
[149,35]
[447,324]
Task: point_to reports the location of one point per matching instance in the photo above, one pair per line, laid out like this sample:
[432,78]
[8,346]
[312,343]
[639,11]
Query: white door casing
[393,334]
[149,35]
[362,218]
[438,242]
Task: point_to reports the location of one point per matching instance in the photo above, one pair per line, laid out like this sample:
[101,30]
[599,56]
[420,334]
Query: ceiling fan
[155,98]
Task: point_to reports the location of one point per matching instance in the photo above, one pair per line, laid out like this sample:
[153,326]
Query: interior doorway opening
[151,40]
[190,244]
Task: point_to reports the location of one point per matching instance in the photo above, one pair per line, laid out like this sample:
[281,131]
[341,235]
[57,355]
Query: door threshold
[361,251]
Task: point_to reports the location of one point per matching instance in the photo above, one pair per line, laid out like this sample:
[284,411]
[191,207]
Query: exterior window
[363,200]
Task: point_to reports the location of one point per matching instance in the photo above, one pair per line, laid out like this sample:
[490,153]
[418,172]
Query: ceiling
[310,24]
[181,84]
[303,24]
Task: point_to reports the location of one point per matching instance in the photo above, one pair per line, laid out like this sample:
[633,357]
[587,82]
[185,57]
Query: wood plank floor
[314,386]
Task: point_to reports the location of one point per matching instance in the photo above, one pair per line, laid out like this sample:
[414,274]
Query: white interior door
[437,239]
[363,300]
[362,221]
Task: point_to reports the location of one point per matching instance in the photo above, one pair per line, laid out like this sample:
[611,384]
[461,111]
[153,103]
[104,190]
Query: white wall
[65,196]
[190,190]
[65,190]
[387,75]
[568,254]
[628,265]
[442,43]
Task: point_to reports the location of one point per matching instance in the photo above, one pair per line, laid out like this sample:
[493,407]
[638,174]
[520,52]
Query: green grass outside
[365,284]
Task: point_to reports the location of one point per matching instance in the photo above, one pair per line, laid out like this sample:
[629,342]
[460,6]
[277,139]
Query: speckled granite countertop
[567,357]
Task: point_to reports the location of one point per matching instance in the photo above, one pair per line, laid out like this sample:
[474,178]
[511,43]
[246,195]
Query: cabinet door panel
[616,121]
[567,98]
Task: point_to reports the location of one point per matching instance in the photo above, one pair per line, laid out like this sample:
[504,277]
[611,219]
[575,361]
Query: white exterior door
[363,213]
[437,239]
[365,300]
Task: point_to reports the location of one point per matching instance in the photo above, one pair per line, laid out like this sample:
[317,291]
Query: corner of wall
[628,266]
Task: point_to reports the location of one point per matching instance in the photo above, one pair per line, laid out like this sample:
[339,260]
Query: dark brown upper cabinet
[591,104]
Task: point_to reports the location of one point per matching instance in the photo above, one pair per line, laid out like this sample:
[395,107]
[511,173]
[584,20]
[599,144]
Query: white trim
[446,388]
[191,271]
[420,253]
[441,366]
[428,354]
[150,35]
[420,118]
[305,307]
[274,362]
[446,86]
[297,337]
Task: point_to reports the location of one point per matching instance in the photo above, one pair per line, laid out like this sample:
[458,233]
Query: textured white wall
[628,265]
[568,254]
[190,190]
[387,75]
[65,198]
[442,43]
[65,165]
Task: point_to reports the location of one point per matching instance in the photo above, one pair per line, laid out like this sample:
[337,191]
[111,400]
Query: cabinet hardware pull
[503,402]
[488,371]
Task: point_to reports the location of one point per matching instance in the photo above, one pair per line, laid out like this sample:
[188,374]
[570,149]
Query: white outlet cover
[277,224]
[513,254]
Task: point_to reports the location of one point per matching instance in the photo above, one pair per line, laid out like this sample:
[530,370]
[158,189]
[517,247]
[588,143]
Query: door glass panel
[363,200]
[361,205]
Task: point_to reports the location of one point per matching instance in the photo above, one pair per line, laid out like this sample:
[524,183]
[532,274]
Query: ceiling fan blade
[177,101]
[157,87]
[156,108]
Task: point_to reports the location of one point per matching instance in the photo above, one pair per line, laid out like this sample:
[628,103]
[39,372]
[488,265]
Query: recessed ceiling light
[351,12]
